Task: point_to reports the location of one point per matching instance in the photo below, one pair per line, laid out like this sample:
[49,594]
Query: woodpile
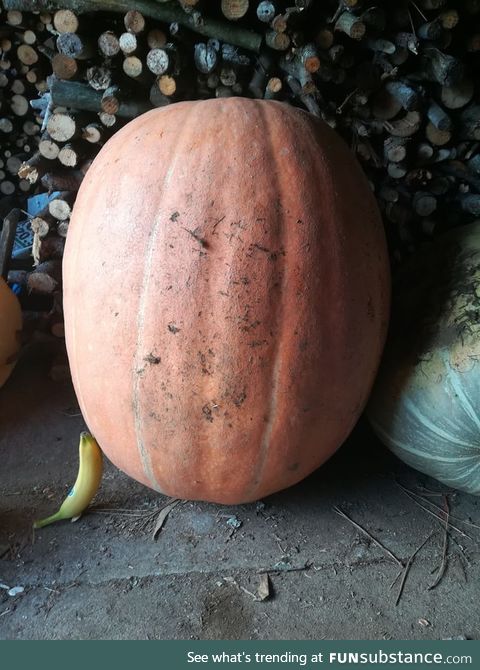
[398,80]
[20,80]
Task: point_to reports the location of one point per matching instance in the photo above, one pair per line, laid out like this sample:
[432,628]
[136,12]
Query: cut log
[156,38]
[61,206]
[26,54]
[158,61]
[14,17]
[64,67]
[407,96]
[277,41]
[438,117]
[406,126]
[273,88]
[47,147]
[46,278]
[265,11]
[62,228]
[424,203]
[134,22]
[445,69]
[168,85]
[205,57]
[128,43]
[62,127]
[71,155]
[65,21]
[309,58]
[71,44]
[133,67]
[108,44]
[234,9]
[19,105]
[351,25]
[99,78]
[437,136]
[92,133]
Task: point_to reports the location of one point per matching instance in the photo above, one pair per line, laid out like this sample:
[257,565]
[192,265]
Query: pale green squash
[425,405]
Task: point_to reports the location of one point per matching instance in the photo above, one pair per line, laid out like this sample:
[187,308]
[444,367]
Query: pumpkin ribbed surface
[226,297]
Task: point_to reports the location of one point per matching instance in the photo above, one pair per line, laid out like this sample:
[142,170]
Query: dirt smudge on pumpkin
[167,393]
[257,343]
[207,413]
[240,398]
[217,221]
[196,236]
[208,410]
[250,326]
[152,359]
[204,363]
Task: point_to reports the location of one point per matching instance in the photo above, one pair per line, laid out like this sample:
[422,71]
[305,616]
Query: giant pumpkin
[226,297]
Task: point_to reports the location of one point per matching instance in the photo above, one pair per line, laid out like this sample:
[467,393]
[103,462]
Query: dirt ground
[105,578]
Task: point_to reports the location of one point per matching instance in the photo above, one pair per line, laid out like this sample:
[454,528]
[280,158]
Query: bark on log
[7,237]
[80,96]
[167,12]
[46,278]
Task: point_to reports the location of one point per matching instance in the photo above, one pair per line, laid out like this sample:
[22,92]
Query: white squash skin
[426,401]
[10,327]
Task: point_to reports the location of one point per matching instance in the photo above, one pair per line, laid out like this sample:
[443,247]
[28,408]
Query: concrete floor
[105,578]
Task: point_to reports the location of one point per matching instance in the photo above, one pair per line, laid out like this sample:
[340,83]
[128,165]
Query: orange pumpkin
[10,328]
[226,297]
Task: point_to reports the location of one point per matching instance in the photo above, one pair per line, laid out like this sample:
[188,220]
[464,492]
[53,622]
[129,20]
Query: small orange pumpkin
[226,297]
[10,326]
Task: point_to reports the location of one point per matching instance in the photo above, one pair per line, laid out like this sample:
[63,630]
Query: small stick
[164,512]
[369,535]
[230,580]
[339,109]
[396,579]
[196,236]
[292,568]
[411,494]
[409,565]
[418,10]
[443,565]
[456,518]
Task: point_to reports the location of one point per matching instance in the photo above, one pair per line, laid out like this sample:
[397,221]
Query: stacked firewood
[20,80]
[398,79]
